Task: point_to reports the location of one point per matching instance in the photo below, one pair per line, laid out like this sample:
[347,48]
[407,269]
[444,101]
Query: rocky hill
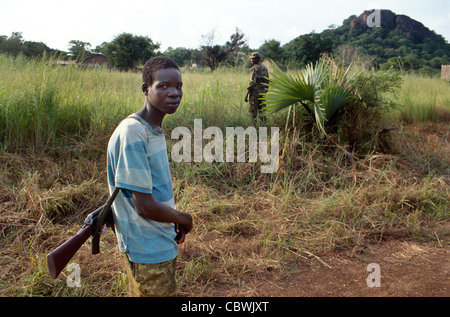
[410,28]
[392,40]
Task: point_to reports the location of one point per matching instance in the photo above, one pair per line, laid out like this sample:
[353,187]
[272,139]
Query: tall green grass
[43,104]
[215,97]
[421,99]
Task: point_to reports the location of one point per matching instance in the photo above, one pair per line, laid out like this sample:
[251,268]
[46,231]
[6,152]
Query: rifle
[93,226]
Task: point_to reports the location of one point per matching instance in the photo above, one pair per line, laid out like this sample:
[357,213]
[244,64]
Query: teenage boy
[146,222]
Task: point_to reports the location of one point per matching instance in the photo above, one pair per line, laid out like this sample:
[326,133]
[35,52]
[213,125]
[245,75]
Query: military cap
[255,55]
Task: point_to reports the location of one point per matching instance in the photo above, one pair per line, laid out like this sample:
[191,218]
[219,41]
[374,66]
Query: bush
[346,102]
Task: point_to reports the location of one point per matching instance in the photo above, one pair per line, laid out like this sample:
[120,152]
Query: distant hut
[96,60]
[445,72]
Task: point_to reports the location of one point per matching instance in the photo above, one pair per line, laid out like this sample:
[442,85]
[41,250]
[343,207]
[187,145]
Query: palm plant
[321,89]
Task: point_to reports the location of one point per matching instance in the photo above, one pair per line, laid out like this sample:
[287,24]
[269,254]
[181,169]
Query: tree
[180,55]
[213,54]
[16,45]
[235,43]
[100,49]
[233,47]
[272,50]
[12,45]
[307,48]
[35,49]
[79,50]
[127,50]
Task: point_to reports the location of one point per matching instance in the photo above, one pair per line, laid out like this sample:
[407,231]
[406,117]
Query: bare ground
[408,269]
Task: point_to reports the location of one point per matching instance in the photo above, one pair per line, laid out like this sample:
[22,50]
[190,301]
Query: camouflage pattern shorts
[151,280]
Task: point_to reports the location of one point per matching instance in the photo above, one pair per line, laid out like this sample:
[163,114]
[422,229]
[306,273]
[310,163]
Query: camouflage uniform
[256,88]
[151,280]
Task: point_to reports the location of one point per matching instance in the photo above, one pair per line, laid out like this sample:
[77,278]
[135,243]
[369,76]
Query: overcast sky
[180,23]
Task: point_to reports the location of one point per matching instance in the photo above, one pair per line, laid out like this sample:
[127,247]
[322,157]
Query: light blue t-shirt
[137,160]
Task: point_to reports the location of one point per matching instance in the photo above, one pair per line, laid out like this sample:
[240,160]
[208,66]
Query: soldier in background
[259,76]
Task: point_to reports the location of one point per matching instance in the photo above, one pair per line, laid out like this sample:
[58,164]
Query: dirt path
[407,269]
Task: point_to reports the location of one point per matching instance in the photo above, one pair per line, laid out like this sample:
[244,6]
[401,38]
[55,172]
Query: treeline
[379,47]
[15,45]
[128,51]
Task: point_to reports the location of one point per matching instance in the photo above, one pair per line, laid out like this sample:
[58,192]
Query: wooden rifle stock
[58,258]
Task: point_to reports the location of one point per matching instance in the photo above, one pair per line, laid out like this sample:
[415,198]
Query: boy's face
[166,91]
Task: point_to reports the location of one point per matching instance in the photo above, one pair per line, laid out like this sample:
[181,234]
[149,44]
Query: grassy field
[55,124]
[422,99]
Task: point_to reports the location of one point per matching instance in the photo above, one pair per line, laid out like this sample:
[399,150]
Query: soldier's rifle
[93,227]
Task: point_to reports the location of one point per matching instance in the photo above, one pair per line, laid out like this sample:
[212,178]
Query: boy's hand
[181,233]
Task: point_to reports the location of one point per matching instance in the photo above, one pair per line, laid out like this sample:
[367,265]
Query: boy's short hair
[154,64]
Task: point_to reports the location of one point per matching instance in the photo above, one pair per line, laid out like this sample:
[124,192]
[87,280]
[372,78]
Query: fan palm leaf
[322,89]
[288,89]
